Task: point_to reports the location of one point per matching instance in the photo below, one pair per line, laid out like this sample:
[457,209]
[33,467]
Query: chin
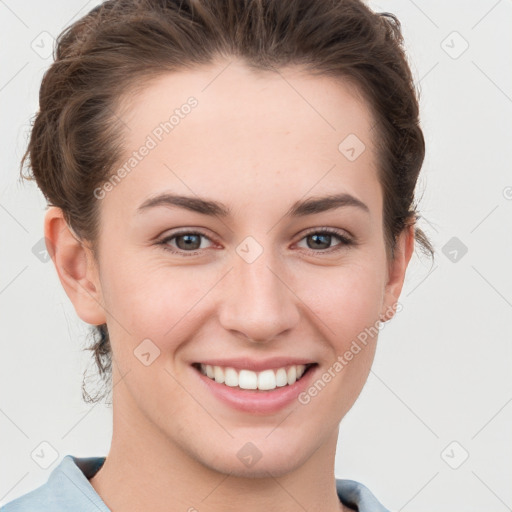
[267,466]
[255,459]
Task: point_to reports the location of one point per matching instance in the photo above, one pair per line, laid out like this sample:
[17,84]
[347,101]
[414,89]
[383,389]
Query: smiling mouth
[266,380]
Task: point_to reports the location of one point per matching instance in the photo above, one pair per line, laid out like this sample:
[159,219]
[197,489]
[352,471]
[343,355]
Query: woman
[231,190]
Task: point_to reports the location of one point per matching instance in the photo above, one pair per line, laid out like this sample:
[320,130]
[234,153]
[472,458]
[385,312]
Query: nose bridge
[257,302]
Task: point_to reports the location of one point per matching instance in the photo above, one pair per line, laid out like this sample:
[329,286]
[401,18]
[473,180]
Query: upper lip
[245,363]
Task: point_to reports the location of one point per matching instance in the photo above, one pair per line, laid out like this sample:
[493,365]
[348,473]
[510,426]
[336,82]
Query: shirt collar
[75,472]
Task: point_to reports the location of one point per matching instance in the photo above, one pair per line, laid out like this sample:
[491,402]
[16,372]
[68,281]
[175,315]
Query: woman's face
[210,254]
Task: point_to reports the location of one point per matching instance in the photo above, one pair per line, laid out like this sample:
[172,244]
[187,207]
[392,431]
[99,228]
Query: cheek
[153,300]
[347,299]
[346,304]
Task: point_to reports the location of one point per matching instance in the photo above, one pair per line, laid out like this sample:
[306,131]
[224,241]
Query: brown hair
[120,45]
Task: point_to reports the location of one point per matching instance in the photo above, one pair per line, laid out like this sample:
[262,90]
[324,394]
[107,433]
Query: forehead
[228,129]
[229,94]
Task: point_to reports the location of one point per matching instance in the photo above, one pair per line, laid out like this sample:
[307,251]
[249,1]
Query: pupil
[188,242]
[324,236]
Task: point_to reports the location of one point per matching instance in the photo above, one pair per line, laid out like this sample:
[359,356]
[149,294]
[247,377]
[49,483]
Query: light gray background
[440,388]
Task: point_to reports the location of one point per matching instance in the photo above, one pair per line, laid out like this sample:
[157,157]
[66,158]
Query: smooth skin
[257,142]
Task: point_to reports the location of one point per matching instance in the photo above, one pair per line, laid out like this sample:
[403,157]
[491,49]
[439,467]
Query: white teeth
[218,374]
[292,375]
[230,377]
[281,378]
[267,380]
[247,379]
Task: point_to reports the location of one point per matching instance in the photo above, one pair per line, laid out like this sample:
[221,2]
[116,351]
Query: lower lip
[257,401]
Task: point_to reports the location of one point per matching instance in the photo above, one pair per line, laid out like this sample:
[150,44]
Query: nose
[257,301]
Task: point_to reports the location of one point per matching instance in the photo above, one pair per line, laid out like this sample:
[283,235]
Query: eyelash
[345,241]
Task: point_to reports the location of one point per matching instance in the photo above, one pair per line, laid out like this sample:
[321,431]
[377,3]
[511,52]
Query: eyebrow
[204,206]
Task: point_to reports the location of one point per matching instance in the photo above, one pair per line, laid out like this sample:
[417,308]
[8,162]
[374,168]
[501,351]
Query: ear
[75,267]
[396,272]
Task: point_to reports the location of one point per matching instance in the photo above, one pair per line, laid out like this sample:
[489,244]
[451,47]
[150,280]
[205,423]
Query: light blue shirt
[68,490]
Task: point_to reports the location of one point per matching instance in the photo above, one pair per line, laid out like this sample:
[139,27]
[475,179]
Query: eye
[319,240]
[184,241]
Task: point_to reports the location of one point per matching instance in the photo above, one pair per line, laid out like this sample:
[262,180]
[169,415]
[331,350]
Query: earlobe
[396,273]
[75,267]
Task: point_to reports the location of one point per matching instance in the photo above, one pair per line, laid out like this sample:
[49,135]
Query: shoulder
[357,496]
[67,488]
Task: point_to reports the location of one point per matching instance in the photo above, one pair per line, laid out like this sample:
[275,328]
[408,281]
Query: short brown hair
[121,44]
